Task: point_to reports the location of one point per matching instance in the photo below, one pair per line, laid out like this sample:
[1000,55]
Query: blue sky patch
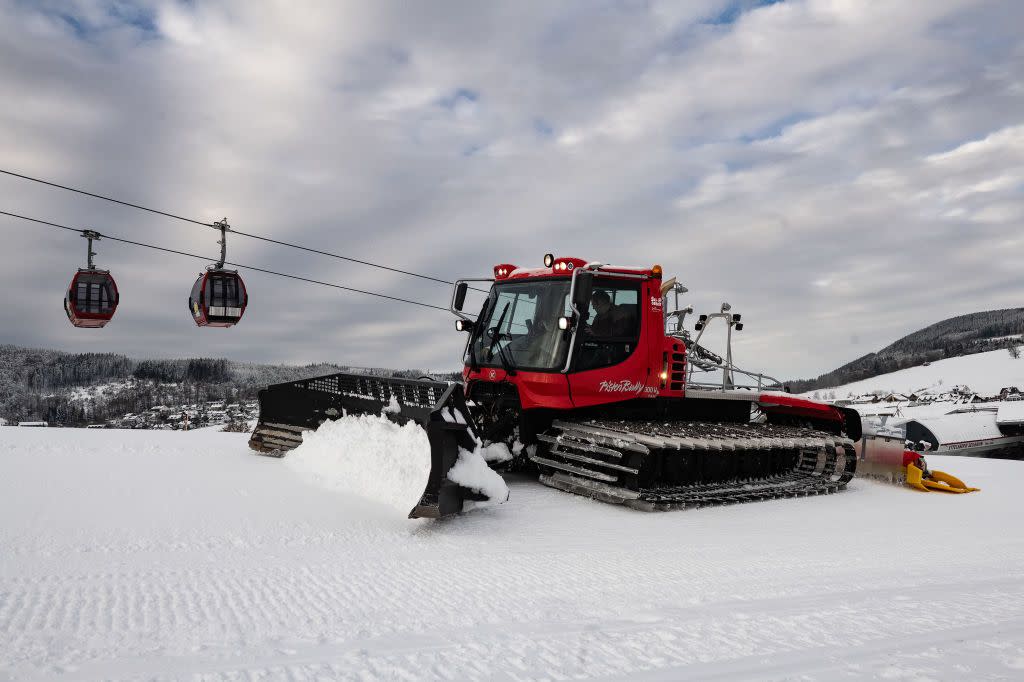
[117,15]
[450,101]
[775,128]
[737,8]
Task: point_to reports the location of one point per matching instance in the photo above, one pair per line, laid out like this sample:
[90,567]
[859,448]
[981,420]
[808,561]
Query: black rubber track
[669,465]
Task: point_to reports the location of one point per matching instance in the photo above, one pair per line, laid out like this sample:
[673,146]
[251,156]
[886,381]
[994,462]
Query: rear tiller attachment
[890,458]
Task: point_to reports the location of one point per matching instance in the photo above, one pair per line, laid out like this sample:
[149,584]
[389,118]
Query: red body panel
[798,407]
[635,377]
[536,389]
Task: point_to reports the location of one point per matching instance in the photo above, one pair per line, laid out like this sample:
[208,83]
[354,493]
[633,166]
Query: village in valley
[234,417]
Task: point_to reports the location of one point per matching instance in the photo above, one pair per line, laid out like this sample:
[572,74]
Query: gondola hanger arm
[91,235]
[224,228]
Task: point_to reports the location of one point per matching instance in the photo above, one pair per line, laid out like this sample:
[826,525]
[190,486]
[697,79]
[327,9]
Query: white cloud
[813,163]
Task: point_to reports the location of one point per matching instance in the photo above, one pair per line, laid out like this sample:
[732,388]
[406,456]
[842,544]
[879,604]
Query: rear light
[463,325]
[549,259]
[565,323]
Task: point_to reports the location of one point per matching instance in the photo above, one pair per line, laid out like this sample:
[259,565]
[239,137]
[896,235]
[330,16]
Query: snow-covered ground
[168,555]
[984,373]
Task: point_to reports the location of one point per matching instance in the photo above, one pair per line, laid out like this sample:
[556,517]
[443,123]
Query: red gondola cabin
[91,299]
[218,299]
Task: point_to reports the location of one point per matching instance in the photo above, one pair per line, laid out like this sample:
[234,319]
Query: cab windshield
[520,321]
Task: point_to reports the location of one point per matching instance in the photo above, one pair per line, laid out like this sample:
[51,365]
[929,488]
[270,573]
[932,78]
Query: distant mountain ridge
[960,335]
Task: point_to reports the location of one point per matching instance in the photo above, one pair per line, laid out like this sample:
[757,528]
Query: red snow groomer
[587,375]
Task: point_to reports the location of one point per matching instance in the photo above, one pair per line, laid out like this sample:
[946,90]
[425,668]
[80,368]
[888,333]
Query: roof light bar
[503,270]
[567,265]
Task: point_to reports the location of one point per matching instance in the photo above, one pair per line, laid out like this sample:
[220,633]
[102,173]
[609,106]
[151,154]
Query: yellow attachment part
[939,480]
[915,477]
[948,482]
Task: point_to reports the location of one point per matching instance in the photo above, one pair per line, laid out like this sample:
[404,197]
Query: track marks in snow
[195,560]
[733,637]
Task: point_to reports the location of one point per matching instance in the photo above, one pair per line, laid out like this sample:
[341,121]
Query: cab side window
[613,325]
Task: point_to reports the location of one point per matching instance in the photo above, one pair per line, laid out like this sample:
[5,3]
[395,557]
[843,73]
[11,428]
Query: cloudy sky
[842,171]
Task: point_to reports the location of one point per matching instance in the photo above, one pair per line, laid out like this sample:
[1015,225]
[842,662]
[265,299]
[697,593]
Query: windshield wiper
[506,361]
[495,336]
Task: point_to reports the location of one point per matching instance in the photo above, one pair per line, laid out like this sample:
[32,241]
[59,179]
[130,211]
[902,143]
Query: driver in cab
[607,321]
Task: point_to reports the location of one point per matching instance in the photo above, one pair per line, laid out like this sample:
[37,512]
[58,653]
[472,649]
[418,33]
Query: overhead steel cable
[105,198]
[335,255]
[237,265]
[234,231]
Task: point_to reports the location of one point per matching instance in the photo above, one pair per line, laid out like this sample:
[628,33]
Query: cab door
[610,359]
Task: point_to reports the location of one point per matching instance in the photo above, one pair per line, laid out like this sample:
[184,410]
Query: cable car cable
[100,196]
[335,255]
[238,232]
[237,265]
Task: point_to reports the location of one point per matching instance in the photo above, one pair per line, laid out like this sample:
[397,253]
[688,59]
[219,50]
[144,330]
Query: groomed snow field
[180,555]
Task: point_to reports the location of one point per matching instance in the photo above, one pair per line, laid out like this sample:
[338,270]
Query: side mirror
[581,296]
[698,326]
[703,318]
[736,317]
[460,295]
[739,326]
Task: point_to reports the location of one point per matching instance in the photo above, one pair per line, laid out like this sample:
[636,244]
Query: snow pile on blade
[471,471]
[368,456]
[374,458]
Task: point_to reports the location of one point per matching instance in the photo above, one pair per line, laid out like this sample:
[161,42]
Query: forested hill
[74,388]
[961,335]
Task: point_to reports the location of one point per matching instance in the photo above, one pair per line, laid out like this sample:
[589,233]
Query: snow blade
[286,410]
